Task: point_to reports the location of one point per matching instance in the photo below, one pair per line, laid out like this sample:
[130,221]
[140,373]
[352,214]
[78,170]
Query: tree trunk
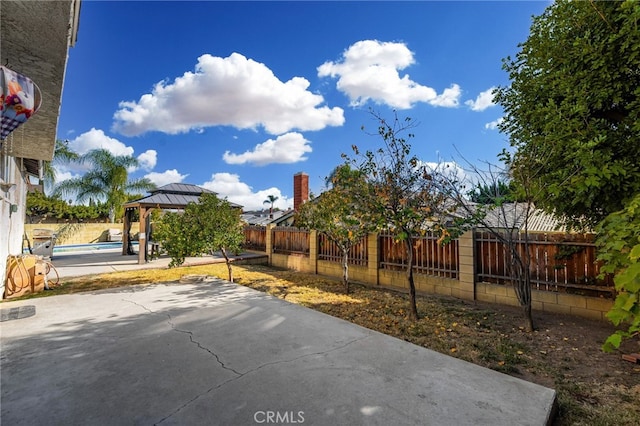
[345,270]
[528,325]
[226,258]
[412,288]
[521,278]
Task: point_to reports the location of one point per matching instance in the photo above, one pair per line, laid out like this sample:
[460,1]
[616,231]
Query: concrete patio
[218,353]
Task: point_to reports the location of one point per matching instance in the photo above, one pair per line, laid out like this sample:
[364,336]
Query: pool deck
[90,262]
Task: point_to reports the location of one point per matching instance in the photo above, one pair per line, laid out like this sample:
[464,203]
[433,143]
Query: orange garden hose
[16,264]
[19,278]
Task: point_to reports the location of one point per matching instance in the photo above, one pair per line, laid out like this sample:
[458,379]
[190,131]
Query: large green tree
[107,180]
[572,106]
[208,226]
[340,213]
[42,206]
[619,248]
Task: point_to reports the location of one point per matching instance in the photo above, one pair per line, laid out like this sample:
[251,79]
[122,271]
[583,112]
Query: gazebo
[174,196]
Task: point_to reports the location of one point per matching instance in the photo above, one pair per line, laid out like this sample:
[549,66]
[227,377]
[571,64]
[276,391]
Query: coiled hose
[19,278]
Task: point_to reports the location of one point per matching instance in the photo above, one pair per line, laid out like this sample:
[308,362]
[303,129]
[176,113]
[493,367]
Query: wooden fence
[563,270]
[255,238]
[559,262]
[328,250]
[429,256]
[290,240]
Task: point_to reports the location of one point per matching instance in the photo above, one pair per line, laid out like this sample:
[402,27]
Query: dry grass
[564,353]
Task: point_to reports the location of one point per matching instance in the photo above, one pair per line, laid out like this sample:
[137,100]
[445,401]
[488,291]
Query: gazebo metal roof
[172,196]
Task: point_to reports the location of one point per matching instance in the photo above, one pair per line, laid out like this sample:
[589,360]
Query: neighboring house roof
[285,220]
[512,216]
[173,196]
[539,221]
[261,217]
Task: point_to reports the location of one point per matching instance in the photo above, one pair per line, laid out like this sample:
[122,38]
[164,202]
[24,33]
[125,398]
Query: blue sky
[237,97]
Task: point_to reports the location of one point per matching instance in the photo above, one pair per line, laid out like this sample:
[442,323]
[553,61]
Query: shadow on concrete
[217,353]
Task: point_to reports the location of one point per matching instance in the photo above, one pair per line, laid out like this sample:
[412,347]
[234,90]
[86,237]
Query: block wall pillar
[467,265]
[373,260]
[268,238]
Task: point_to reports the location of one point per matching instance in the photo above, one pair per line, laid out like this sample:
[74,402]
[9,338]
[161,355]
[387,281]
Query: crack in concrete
[189,333]
[256,369]
[238,374]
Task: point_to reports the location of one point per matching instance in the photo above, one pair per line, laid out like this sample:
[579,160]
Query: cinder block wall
[78,233]
[573,304]
[334,269]
[464,287]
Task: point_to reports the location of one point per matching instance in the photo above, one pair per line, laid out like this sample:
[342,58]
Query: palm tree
[270,200]
[107,181]
[62,154]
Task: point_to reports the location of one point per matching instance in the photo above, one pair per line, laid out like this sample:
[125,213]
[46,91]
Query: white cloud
[96,139]
[369,71]
[90,140]
[493,124]
[233,91]
[483,101]
[450,169]
[166,177]
[287,148]
[229,186]
[449,98]
[148,159]
[63,174]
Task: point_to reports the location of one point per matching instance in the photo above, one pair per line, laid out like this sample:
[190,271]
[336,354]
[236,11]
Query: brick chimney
[300,189]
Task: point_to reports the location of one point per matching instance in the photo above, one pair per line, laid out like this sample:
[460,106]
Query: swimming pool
[86,247]
[83,247]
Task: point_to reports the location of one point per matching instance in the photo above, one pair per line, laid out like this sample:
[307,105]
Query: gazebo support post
[126,226]
[142,237]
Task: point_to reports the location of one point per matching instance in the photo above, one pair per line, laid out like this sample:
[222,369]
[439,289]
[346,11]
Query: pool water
[81,247]
[86,247]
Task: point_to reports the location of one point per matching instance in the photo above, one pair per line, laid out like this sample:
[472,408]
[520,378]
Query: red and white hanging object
[20,98]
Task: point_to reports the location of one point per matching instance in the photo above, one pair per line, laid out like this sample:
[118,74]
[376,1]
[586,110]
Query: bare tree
[403,197]
[504,214]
